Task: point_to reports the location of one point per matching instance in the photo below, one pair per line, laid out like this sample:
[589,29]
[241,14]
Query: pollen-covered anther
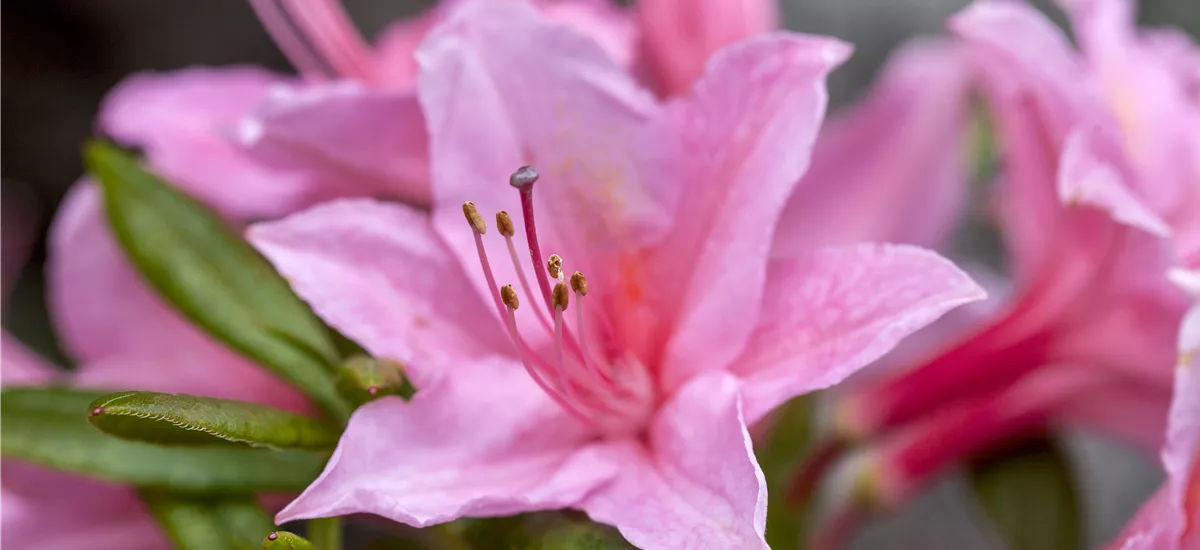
[508,295]
[504,224]
[579,283]
[554,266]
[560,297]
[474,218]
[523,177]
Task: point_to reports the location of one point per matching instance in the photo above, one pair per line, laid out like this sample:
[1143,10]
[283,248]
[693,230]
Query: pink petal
[47,510]
[484,441]
[829,313]
[1148,529]
[679,36]
[502,87]
[610,25]
[1039,92]
[122,333]
[696,485]
[344,138]
[186,121]
[744,139]
[20,366]
[1181,454]
[893,167]
[378,273]
[1085,178]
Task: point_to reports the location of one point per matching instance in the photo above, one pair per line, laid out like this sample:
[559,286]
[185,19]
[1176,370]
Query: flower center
[605,388]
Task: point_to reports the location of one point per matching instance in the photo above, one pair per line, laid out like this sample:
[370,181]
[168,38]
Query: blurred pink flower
[1170,519]
[632,403]
[1095,213]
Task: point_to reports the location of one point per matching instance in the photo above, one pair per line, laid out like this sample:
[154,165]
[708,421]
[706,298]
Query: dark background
[59,58]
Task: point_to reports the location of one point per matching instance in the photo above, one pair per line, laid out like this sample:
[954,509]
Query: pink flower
[1170,519]
[1093,218]
[624,394]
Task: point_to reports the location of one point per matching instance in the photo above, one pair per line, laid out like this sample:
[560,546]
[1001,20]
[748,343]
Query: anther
[579,283]
[560,297]
[524,176]
[554,266]
[509,296]
[474,218]
[504,224]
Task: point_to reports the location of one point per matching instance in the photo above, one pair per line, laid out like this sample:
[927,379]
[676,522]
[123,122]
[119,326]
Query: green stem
[325,533]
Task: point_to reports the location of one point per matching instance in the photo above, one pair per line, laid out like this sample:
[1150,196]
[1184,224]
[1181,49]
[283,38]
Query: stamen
[509,297]
[504,224]
[516,261]
[474,218]
[579,284]
[558,345]
[561,295]
[318,38]
[537,377]
[554,267]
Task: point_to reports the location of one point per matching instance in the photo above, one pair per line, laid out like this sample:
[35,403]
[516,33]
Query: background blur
[59,58]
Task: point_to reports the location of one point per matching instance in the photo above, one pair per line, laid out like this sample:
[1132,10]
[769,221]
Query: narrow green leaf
[47,426]
[1030,497]
[211,274]
[283,540]
[178,419]
[779,455]
[362,379]
[203,524]
[326,533]
[544,531]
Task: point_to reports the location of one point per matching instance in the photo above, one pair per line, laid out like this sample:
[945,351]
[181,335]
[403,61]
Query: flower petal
[697,484]
[744,139]
[892,168]
[502,87]
[679,36]
[827,314]
[122,333]
[344,138]
[20,366]
[483,441]
[378,273]
[186,122]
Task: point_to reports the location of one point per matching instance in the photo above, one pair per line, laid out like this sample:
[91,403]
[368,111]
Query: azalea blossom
[1094,214]
[1170,519]
[624,392]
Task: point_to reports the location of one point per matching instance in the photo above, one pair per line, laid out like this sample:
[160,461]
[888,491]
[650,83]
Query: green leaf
[326,533]
[544,531]
[283,540]
[362,379]
[47,426]
[1030,497]
[203,524]
[210,273]
[779,456]
[193,420]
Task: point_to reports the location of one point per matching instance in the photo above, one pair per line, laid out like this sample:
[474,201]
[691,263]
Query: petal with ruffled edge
[696,484]
[503,86]
[484,441]
[344,138]
[679,36]
[186,122]
[123,334]
[378,273]
[891,168]
[741,142]
[829,313]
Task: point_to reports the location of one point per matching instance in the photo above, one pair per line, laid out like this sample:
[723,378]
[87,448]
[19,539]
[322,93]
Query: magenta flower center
[595,381]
